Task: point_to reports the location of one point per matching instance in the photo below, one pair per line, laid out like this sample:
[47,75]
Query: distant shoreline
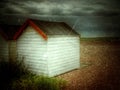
[100,38]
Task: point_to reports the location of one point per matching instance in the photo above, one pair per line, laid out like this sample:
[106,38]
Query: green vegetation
[15,76]
[37,83]
[10,71]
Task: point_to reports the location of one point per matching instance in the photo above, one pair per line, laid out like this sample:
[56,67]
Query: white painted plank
[32,47]
[64,54]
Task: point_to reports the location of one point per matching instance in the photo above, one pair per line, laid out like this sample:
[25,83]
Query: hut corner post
[12,50]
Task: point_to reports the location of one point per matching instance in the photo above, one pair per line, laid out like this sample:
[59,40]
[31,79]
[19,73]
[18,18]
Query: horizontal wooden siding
[63,54]
[32,49]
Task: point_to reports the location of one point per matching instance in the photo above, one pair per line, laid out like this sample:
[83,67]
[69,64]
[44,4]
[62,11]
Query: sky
[90,18]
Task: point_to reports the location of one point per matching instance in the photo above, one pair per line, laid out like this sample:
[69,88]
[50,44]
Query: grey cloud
[16,7]
[48,7]
[61,7]
[65,8]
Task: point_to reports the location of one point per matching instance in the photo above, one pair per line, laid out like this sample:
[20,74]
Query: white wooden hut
[48,48]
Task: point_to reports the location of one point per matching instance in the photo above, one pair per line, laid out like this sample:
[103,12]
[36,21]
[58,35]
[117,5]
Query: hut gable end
[31,23]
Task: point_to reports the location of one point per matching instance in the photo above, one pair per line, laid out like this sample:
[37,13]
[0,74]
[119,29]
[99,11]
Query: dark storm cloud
[61,7]
[91,18]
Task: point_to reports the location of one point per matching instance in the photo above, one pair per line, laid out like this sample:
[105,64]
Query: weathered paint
[63,54]
[31,47]
[55,56]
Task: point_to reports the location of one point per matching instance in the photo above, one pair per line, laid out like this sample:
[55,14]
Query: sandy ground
[100,67]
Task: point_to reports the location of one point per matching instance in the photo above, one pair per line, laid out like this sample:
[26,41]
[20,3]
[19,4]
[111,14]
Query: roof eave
[31,23]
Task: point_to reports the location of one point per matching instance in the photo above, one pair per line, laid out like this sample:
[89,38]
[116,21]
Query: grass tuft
[37,83]
[16,76]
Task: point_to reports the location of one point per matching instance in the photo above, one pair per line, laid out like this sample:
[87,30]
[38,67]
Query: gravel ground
[100,67]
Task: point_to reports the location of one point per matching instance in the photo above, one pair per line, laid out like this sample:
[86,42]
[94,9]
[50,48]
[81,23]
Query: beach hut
[7,49]
[47,48]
